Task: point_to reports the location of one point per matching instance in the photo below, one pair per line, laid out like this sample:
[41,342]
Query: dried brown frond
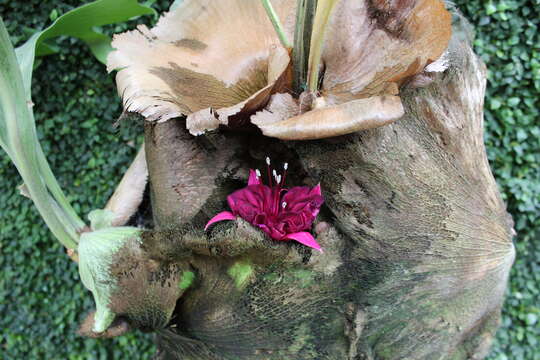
[374,45]
[370,49]
[329,121]
[222,55]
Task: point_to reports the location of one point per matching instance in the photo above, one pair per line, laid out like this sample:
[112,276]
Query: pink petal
[305,238]
[224,215]
[253,178]
[317,189]
[249,200]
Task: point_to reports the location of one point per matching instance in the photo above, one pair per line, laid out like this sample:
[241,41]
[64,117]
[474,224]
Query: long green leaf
[305,11]
[18,135]
[320,23]
[19,139]
[80,23]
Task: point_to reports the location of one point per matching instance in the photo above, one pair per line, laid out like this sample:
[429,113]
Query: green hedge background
[41,298]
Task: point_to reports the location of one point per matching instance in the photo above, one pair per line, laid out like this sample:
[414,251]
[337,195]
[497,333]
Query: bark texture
[417,239]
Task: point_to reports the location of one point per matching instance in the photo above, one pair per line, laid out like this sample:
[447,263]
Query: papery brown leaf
[279,108]
[205,54]
[329,121]
[279,77]
[128,195]
[201,121]
[374,45]
[371,47]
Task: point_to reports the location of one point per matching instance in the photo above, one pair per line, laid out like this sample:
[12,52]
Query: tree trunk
[416,237]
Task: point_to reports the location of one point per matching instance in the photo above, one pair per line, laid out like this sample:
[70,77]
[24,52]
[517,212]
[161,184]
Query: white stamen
[267,161]
[274,173]
[278,179]
[285,166]
[284,204]
[258,173]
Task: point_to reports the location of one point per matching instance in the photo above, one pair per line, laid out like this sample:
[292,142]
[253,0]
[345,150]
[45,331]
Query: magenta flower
[284,214]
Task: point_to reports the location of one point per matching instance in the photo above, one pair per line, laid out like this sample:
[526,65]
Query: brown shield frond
[328,121]
[205,54]
[373,45]
[371,48]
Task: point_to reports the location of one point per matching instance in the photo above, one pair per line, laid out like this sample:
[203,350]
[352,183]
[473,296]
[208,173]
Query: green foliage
[19,139]
[80,23]
[41,298]
[508,41]
[42,301]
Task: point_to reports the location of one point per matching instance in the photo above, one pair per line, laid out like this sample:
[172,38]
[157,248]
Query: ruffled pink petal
[305,238]
[222,216]
[253,178]
[250,200]
[303,200]
[300,196]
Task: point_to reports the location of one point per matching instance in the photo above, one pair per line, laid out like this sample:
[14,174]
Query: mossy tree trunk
[417,239]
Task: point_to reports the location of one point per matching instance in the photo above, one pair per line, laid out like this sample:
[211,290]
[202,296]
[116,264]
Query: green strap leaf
[79,23]
[18,135]
[18,138]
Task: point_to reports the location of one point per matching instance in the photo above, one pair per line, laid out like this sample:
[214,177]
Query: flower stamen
[269,171]
[285,167]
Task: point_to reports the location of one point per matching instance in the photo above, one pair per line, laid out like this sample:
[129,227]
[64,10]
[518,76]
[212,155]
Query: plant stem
[320,23]
[278,27]
[305,11]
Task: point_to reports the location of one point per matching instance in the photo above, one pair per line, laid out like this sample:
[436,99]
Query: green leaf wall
[41,298]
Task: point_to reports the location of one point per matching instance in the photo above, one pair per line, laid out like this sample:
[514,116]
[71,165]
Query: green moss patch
[187,279]
[241,271]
